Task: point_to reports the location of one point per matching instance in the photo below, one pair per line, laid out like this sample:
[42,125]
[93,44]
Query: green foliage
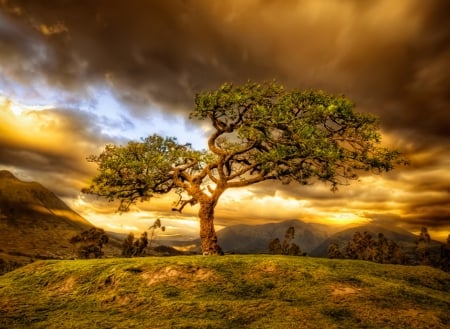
[139,170]
[90,242]
[262,132]
[293,135]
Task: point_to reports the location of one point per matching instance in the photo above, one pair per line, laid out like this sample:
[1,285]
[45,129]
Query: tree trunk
[208,234]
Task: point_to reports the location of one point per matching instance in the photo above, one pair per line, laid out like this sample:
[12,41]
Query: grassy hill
[251,291]
[35,223]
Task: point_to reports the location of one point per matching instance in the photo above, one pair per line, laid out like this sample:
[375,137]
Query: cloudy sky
[77,74]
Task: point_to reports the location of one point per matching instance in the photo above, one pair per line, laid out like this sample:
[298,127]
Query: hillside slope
[34,222]
[238,291]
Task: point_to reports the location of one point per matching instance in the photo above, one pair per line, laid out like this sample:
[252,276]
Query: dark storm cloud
[391,57]
[52,145]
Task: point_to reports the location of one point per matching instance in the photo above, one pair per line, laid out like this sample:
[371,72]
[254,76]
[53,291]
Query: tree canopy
[261,132]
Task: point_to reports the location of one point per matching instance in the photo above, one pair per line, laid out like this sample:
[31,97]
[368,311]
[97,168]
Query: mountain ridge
[244,238]
[34,222]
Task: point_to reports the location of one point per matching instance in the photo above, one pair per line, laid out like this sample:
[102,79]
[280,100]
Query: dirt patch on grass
[170,273]
[343,291]
[64,287]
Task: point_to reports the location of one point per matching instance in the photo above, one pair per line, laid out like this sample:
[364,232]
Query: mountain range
[312,238]
[255,238]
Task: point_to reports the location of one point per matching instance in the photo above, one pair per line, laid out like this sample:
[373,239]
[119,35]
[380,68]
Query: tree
[334,251]
[288,247]
[156,225]
[134,247]
[275,247]
[364,247]
[260,132]
[288,237]
[387,251]
[128,245]
[423,247]
[90,242]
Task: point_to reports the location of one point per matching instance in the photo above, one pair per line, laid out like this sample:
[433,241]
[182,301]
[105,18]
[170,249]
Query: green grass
[252,291]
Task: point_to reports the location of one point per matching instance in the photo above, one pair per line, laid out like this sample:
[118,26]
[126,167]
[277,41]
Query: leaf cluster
[269,132]
[139,170]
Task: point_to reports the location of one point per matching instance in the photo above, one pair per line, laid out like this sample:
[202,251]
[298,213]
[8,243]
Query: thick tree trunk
[208,234]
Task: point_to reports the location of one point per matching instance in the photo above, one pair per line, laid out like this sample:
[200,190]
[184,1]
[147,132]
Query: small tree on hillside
[260,132]
[334,251]
[90,243]
[423,246]
[275,247]
[132,247]
[388,252]
[288,247]
[156,225]
[128,245]
[364,247]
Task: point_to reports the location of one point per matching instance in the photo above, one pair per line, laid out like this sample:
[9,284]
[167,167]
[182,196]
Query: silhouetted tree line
[386,251]
[89,243]
[132,247]
[364,247]
[287,247]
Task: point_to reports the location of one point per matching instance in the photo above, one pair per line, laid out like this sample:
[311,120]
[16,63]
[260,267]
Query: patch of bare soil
[171,273]
[67,285]
[342,291]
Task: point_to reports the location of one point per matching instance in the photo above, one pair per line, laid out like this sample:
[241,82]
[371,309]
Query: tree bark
[208,234]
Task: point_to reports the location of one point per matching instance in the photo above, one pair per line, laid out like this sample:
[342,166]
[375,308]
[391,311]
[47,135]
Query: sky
[78,74]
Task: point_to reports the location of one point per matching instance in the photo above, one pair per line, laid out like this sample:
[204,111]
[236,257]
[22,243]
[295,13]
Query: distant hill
[34,222]
[255,238]
[402,237]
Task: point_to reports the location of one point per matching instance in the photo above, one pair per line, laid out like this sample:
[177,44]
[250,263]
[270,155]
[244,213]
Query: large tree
[260,132]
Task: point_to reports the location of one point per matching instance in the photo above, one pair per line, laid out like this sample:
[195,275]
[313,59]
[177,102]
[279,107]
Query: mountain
[402,237]
[255,238]
[34,222]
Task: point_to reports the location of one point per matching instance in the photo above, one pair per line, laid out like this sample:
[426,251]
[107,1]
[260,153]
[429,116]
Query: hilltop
[237,291]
